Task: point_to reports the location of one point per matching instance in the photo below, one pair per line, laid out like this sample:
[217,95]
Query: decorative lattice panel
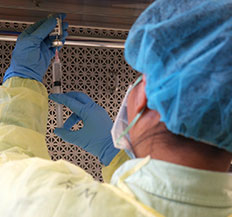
[77,31]
[96,32]
[101,73]
[10,26]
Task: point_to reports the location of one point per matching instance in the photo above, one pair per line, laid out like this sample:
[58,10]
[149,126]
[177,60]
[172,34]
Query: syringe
[57,76]
[57,72]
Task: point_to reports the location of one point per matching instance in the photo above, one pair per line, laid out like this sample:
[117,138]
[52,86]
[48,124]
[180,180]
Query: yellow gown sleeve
[23,118]
[118,160]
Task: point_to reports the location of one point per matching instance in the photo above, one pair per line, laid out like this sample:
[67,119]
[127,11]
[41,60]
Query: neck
[161,144]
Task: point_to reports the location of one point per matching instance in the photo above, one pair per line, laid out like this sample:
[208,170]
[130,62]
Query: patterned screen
[99,72]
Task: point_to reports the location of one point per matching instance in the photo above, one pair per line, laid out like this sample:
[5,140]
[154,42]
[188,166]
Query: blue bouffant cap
[184,47]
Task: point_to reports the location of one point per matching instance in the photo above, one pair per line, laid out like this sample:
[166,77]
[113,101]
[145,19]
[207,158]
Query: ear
[141,99]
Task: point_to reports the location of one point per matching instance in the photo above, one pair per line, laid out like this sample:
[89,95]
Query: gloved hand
[33,51]
[95,136]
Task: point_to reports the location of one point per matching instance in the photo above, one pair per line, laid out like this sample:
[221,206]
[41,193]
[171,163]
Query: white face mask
[120,129]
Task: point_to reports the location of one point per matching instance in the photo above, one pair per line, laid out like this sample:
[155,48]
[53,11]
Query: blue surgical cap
[184,48]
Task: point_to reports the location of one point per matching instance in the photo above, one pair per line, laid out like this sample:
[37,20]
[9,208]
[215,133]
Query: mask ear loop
[130,126]
[135,119]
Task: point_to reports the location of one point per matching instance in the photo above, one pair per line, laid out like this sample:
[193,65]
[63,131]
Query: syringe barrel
[57,73]
[59,107]
[57,88]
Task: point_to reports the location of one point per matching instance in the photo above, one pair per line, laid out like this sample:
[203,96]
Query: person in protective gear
[30,183]
[180,165]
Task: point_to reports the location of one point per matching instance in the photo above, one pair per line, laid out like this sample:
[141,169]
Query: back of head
[184,47]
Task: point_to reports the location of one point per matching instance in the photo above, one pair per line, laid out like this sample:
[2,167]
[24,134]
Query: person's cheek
[131,107]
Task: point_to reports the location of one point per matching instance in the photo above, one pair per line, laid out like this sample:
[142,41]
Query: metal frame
[80,41]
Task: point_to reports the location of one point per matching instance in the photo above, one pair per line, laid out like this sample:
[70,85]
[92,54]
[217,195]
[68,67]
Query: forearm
[23,116]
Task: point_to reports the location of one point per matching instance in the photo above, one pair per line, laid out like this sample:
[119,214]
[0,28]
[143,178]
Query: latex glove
[95,136]
[33,51]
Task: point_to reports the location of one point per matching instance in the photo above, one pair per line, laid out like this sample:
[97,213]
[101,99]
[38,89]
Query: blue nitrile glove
[95,136]
[33,51]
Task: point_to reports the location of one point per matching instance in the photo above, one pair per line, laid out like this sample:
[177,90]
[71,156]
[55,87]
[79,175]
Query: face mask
[120,129]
